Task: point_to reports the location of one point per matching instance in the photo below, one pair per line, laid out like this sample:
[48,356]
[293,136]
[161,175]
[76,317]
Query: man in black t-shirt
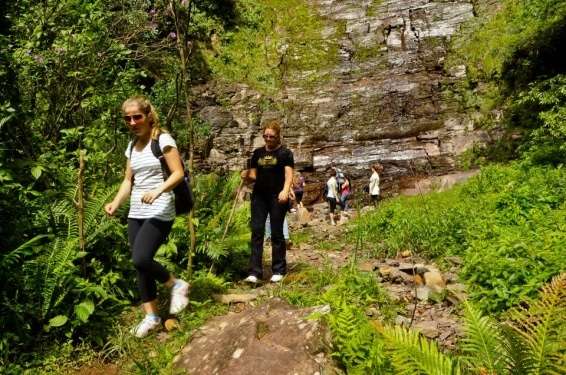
[272,170]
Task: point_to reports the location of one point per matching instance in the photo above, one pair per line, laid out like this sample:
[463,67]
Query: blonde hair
[148,109]
[274,125]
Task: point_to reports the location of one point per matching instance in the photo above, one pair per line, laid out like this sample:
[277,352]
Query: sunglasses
[267,136]
[136,117]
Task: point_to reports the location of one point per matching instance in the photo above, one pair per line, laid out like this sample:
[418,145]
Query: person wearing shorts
[332,194]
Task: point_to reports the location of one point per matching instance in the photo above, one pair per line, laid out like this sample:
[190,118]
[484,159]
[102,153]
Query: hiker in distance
[298,190]
[152,208]
[271,168]
[332,196]
[374,182]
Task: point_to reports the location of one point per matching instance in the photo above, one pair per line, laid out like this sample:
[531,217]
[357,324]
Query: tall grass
[508,224]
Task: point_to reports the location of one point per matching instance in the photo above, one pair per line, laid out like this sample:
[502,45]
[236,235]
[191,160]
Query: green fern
[517,351]
[483,345]
[96,221]
[357,344]
[64,215]
[10,260]
[48,274]
[411,354]
[541,328]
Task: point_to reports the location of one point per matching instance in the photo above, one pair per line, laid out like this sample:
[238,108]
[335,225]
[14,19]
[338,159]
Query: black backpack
[184,198]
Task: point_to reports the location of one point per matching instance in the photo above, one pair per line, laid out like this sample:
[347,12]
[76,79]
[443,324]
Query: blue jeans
[268,228]
[344,201]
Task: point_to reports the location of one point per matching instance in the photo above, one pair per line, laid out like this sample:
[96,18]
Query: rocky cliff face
[383,100]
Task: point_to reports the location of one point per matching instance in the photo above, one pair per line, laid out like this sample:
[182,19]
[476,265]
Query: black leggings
[298,196]
[331,204]
[262,205]
[145,236]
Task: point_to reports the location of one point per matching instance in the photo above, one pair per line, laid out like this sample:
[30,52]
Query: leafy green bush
[507,223]
[514,65]
[54,292]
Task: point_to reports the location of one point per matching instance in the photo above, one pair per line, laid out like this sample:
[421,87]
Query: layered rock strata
[384,100]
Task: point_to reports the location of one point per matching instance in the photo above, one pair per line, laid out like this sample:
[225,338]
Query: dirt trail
[429,297]
[428,301]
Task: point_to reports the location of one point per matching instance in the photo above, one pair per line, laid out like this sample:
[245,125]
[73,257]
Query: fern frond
[64,213]
[483,342]
[56,268]
[412,354]
[542,328]
[94,209]
[4,120]
[517,351]
[9,260]
[354,338]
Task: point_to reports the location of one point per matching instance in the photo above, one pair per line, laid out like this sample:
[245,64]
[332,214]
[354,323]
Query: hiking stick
[247,153]
[233,209]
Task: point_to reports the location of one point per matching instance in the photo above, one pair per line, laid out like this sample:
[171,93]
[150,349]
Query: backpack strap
[134,140]
[156,150]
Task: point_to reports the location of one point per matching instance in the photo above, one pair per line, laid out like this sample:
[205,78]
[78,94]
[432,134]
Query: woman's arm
[173,160]
[284,194]
[123,192]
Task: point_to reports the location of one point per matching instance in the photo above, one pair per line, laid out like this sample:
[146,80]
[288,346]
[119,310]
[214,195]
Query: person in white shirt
[332,194]
[374,183]
[152,208]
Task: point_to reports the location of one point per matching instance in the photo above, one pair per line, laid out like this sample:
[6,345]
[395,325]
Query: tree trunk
[181,15]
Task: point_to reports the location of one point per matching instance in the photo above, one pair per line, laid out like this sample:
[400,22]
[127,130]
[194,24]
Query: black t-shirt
[270,166]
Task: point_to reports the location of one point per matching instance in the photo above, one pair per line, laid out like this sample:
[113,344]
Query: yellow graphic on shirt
[267,161]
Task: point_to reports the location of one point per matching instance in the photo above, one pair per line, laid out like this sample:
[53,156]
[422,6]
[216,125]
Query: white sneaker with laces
[148,323]
[251,279]
[276,278]
[179,296]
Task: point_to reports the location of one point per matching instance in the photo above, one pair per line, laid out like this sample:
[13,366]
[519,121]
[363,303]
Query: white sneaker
[148,323]
[179,296]
[276,278]
[251,279]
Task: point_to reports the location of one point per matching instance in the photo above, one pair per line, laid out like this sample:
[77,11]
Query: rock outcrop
[385,98]
[275,338]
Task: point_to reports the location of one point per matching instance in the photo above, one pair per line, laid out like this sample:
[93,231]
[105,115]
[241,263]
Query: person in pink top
[345,192]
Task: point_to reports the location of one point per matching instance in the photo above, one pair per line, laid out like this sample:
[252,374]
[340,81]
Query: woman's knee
[141,261]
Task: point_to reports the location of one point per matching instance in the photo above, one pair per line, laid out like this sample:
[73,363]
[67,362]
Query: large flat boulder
[274,338]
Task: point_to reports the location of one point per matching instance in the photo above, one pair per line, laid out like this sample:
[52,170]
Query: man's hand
[151,196]
[283,197]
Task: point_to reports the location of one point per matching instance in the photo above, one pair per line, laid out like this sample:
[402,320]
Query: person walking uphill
[272,170]
[152,208]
